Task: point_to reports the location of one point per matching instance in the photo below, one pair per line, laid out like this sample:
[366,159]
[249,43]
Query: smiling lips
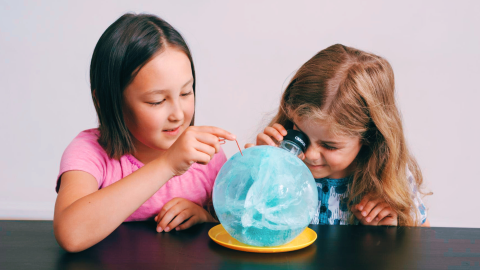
[172,131]
[316,166]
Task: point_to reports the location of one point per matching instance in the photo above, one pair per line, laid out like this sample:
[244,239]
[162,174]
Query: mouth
[316,166]
[172,131]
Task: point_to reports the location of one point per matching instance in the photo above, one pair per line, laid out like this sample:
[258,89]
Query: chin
[319,175]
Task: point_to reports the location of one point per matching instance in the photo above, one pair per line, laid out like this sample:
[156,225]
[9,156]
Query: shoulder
[84,153]
[85,144]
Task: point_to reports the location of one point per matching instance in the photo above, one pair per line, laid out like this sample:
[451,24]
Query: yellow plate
[221,237]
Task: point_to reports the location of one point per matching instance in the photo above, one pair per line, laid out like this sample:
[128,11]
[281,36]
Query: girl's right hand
[270,136]
[196,144]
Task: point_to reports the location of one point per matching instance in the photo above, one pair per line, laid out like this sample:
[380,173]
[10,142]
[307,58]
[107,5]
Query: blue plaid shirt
[333,198]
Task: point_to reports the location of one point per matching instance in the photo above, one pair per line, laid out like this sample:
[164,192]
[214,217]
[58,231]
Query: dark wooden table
[136,245]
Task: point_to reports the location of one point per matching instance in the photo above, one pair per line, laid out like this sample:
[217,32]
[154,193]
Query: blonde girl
[343,99]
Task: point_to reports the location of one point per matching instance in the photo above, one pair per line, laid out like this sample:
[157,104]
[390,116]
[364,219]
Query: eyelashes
[160,102]
[156,103]
[329,148]
[187,94]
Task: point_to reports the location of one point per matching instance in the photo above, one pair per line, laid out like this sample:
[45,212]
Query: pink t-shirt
[85,154]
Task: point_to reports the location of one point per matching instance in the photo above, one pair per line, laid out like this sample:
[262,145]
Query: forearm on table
[91,218]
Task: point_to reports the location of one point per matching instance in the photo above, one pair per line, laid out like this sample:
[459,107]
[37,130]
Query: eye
[186,94]
[328,147]
[156,103]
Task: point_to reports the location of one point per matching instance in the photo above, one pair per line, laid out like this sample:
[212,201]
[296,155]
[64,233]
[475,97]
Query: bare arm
[85,215]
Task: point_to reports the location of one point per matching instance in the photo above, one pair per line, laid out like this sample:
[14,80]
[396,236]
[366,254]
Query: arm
[85,215]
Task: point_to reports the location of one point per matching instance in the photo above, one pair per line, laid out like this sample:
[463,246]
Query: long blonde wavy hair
[354,92]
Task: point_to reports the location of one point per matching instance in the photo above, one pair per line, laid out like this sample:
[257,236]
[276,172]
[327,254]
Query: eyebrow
[161,91]
[318,141]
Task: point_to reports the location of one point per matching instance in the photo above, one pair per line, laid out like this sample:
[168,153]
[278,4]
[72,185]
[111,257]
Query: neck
[144,153]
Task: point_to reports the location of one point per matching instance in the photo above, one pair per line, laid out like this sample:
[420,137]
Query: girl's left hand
[181,214]
[375,212]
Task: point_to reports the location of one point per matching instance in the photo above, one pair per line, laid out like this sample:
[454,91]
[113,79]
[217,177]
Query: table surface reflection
[136,245]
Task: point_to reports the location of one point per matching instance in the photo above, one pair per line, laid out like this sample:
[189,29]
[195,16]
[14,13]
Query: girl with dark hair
[343,99]
[146,160]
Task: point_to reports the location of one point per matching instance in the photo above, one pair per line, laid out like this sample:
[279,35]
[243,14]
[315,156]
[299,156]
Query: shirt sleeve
[417,200]
[84,154]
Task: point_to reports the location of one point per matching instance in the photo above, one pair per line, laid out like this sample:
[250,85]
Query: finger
[280,129]
[201,158]
[357,213]
[217,132]
[187,224]
[363,202]
[179,219]
[369,206]
[385,212]
[377,209]
[205,148]
[272,132]
[248,145]
[388,221]
[209,140]
[263,139]
[166,207]
[164,210]
[169,216]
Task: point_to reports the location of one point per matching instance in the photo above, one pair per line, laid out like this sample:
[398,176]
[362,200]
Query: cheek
[338,160]
[333,158]
[189,109]
[147,119]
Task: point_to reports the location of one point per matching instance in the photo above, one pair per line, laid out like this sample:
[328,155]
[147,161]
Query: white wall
[244,55]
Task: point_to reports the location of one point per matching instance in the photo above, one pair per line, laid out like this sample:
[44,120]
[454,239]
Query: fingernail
[156,218]
[167,229]
[360,207]
[368,219]
[364,213]
[279,138]
[376,218]
[159,229]
[177,228]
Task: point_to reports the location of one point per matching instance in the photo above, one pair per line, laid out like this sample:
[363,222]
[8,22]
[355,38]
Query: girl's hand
[270,136]
[375,212]
[181,214]
[196,144]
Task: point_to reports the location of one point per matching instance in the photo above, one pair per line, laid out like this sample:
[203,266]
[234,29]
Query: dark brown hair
[122,50]
[354,93]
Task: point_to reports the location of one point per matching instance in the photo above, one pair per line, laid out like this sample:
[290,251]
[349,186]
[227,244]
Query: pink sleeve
[84,154]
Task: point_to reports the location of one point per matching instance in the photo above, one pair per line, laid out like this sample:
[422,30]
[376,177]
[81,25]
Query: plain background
[244,56]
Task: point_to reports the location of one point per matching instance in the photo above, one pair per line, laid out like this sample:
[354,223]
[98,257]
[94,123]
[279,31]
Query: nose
[313,154]
[176,111]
